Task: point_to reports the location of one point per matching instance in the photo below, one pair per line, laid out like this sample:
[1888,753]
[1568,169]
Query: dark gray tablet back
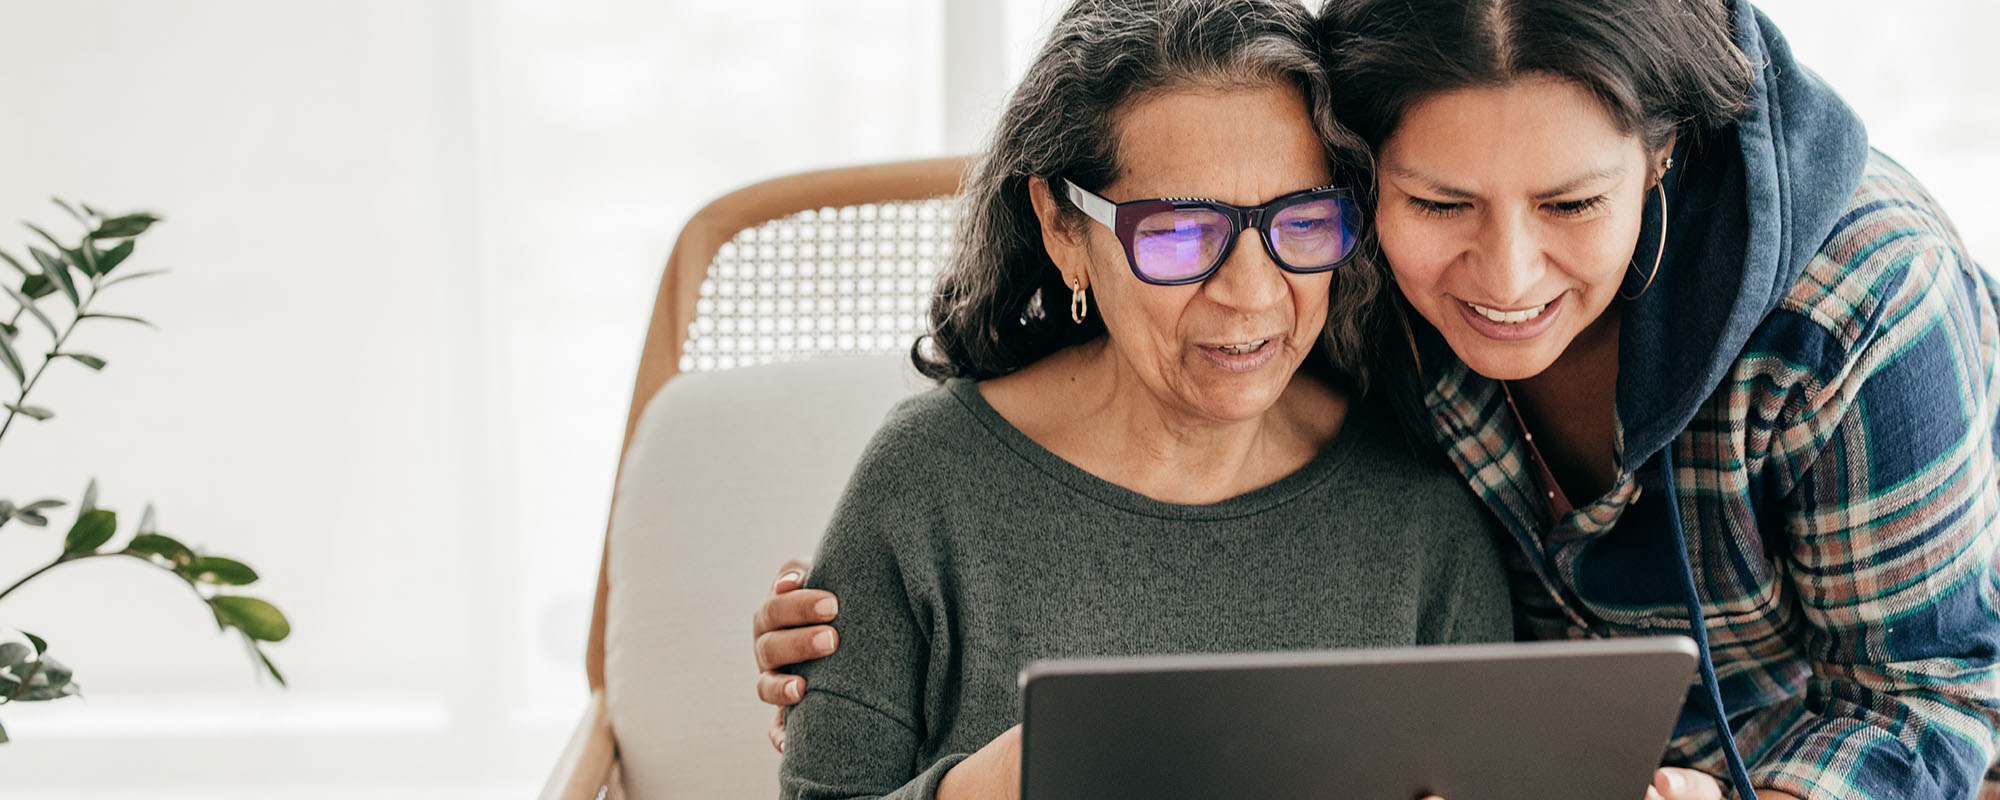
[1530,721]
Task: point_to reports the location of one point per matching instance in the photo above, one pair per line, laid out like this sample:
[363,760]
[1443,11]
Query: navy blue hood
[1748,207]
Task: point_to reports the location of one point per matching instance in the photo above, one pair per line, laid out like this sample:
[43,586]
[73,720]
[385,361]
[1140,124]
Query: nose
[1508,260]
[1247,279]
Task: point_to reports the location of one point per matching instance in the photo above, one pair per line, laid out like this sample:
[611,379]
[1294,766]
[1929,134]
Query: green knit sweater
[962,551]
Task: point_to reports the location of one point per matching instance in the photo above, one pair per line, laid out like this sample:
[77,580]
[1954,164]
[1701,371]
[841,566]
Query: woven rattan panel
[833,282]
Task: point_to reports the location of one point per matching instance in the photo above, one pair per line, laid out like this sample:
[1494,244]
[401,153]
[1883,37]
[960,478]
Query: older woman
[1148,438]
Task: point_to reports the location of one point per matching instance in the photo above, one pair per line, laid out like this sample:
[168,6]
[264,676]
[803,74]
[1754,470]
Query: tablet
[1583,720]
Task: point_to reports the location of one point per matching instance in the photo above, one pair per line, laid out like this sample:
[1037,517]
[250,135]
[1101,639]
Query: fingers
[1675,783]
[794,608]
[790,576]
[780,690]
[783,648]
[781,642]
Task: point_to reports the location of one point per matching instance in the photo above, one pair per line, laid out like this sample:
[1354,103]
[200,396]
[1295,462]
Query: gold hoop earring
[1661,251]
[1078,305]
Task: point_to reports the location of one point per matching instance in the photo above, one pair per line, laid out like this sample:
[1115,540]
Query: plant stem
[34,670]
[22,399]
[66,559]
[57,563]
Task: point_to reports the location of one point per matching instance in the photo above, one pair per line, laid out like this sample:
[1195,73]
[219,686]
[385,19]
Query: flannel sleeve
[1891,528]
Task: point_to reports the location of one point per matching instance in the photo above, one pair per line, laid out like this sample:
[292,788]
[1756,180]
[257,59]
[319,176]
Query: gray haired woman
[1152,434]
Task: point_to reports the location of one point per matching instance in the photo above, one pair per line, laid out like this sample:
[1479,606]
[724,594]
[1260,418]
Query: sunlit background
[414,247]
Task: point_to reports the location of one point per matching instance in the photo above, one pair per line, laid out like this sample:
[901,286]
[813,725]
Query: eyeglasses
[1180,240]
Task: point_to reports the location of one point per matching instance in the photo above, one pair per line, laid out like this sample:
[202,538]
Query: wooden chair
[735,465]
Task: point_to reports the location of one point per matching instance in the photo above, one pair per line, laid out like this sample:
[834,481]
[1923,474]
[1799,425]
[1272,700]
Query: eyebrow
[1456,193]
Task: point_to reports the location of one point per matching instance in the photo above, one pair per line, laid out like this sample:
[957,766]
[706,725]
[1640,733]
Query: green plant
[78,274]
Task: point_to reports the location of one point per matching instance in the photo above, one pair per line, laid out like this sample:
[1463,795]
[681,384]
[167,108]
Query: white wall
[415,245]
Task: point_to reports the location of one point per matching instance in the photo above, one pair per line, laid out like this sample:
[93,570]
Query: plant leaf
[3,735]
[113,257]
[46,237]
[153,544]
[36,413]
[13,362]
[48,679]
[86,359]
[40,645]
[221,571]
[72,211]
[85,257]
[275,674]
[255,618]
[122,317]
[132,276]
[92,529]
[146,522]
[124,227]
[89,498]
[15,264]
[42,505]
[14,654]
[31,518]
[58,273]
[29,306]
[37,286]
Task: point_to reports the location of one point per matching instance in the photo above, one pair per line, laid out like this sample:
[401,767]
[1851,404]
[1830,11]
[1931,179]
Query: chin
[1503,362]
[1242,404]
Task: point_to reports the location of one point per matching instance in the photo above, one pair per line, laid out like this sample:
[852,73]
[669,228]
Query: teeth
[1509,317]
[1240,349]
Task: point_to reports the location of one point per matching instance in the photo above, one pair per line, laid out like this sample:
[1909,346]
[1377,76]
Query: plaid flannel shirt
[1839,492]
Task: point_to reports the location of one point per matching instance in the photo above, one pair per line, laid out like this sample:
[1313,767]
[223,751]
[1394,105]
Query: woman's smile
[1512,325]
[1247,356]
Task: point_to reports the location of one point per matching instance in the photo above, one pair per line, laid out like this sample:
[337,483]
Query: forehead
[1531,130]
[1238,145]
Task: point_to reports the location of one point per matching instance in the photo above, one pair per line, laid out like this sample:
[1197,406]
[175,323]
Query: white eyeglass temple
[1095,207]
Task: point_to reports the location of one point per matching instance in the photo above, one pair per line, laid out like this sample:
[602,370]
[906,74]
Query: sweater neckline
[1315,473]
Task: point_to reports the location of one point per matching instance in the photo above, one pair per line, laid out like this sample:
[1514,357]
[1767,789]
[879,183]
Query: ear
[1067,247]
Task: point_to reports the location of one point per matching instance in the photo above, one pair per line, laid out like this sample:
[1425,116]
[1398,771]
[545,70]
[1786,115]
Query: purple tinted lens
[1178,244]
[1315,233]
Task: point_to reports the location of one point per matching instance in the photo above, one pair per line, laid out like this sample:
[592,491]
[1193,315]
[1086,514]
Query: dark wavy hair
[1659,67]
[991,312]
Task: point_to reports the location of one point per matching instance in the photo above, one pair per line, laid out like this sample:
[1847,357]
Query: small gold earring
[1078,305]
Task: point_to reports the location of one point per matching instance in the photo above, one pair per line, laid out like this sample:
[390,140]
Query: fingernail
[823,641]
[792,691]
[790,577]
[827,608]
[1674,781]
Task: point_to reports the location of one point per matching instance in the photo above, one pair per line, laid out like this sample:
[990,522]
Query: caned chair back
[787,310]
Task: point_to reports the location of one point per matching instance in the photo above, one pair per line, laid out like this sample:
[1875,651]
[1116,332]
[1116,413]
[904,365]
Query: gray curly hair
[989,316]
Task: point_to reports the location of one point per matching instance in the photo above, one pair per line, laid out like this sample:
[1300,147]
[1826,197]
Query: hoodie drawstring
[1698,628]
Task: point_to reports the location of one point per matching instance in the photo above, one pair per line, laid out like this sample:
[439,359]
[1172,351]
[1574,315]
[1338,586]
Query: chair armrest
[588,767]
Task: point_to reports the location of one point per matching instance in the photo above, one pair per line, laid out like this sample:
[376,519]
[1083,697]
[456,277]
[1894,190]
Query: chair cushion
[729,474]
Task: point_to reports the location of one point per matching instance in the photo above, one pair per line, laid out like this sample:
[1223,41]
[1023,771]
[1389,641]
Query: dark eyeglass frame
[1123,220]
